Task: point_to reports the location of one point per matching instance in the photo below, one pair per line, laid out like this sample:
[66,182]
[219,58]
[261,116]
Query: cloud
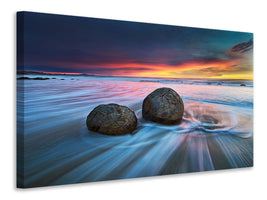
[242,47]
[96,46]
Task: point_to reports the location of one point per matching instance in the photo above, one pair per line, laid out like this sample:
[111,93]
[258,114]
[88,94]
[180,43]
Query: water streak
[216,131]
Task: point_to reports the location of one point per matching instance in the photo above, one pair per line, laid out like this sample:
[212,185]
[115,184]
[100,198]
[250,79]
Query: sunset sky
[56,43]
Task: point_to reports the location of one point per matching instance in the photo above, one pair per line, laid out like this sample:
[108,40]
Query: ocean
[55,147]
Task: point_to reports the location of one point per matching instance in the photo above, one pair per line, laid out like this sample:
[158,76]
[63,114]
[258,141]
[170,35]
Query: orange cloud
[223,69]
[230,69]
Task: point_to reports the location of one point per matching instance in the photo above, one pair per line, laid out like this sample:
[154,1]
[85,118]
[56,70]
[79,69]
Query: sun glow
[214,70]
[230,69]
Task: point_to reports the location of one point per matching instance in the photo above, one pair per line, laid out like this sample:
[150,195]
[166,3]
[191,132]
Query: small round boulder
[164,106]
[111,119]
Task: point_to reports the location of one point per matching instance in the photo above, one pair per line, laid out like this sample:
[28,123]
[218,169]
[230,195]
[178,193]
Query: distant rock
[24,78]
[62,79]
[219,83]
[242,84]
[111,119]
[37,78]
[164,105]
[40,78]
[54,78]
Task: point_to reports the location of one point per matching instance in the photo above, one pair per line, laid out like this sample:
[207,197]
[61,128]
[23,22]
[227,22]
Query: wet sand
[216,132]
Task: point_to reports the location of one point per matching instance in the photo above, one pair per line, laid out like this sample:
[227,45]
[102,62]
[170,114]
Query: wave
[216,132]
[185,81]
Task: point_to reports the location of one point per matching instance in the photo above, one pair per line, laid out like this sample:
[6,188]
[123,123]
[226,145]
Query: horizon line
[88,74]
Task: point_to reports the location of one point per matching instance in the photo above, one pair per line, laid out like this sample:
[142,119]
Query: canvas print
[101,99]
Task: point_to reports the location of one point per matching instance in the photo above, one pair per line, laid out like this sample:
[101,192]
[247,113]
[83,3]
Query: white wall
[237,15]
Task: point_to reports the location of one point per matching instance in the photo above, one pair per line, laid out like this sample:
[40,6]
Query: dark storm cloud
[80,44]
[93,70]
[99,70]
[242,47]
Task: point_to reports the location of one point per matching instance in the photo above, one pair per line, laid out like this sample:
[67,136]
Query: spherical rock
[164,106]
[111,119]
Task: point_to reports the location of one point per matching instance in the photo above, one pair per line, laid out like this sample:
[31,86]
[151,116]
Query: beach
[216,131]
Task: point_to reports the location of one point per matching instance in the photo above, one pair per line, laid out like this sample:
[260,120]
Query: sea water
[55,146]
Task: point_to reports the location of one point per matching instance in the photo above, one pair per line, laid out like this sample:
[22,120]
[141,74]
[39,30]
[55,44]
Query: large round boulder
[164,106]
[111,119]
